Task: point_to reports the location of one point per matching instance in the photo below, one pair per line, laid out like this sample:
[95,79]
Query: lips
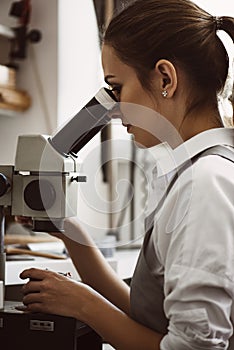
[128,126]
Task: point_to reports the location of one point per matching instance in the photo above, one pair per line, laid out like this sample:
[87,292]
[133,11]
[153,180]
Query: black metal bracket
[22,11]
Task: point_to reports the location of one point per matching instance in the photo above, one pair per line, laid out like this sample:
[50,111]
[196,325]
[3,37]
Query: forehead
[109,58]
[112,65]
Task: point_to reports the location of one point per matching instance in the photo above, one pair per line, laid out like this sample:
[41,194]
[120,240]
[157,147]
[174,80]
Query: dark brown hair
[177,30]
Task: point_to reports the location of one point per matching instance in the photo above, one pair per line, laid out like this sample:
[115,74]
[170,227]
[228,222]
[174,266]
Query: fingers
[36,282]
[36,274]
[25,221]
[47,291]
[36,307]
[39,274]
[31,287]
[34,303]
[35,291]
[32,298]
[36,285]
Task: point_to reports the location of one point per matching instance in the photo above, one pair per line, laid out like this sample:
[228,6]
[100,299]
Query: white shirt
[194,242]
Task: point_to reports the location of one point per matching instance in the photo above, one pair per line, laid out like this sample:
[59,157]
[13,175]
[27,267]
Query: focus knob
[4,184]
[39,195]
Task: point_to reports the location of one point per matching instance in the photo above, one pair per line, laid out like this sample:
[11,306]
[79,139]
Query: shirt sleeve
[199,261]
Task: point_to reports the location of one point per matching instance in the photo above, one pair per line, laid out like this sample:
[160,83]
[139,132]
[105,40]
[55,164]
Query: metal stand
[2,253]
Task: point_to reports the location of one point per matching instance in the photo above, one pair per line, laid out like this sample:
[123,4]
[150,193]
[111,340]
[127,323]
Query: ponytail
[227,24]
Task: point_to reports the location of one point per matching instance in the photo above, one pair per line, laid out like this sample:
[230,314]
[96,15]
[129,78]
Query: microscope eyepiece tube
[85,124]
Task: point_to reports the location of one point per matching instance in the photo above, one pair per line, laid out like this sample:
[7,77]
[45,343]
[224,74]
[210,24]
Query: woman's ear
[167,75]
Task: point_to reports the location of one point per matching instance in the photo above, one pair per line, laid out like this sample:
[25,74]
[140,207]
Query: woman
[165,58]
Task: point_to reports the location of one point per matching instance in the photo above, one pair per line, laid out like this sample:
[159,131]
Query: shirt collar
[169,159]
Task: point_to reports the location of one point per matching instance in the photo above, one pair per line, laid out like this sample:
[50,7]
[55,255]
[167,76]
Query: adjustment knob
[39,195]
[4,184]
[34,36]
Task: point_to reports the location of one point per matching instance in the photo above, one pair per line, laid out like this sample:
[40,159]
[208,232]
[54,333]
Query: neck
[199,121]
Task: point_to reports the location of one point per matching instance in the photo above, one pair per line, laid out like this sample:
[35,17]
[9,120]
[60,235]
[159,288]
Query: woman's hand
[51,292]
[26,221]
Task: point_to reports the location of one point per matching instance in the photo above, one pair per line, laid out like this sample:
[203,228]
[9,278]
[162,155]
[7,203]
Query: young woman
[166,65]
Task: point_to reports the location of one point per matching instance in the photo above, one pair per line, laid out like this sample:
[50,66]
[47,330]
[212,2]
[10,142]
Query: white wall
[68,63]
[217,7]
[80,77]
[79,57]
[34,120]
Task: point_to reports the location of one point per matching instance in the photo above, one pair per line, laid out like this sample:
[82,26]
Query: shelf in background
[7,32]
[9,113]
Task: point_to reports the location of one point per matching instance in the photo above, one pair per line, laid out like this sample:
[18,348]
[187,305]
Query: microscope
[43,183]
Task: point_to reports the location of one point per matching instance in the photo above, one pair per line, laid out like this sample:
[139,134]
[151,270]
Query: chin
[145,144]
[139,143]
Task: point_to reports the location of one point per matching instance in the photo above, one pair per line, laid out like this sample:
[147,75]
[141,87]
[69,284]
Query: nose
[115,113]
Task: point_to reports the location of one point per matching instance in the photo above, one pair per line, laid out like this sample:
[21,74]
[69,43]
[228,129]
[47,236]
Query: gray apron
[147,296]
[147,284]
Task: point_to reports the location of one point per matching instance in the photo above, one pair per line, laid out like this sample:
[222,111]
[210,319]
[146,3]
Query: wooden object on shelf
[25,239]
[12,98]
[7,32]
[17,100]
[16,251]
[10,240]
[7,77]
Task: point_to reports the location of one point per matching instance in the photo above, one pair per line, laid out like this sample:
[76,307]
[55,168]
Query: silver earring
[164,93]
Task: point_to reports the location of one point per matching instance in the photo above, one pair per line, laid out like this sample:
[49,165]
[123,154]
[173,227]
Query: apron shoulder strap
[222,151]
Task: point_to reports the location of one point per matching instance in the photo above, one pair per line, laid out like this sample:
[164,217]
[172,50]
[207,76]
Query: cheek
[135,104]
[141,116]
[132,112]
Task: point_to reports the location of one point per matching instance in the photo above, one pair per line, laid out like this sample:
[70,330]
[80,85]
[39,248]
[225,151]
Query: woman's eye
[116,91]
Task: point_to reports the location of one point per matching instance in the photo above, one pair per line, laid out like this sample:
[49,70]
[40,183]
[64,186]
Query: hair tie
[218,22]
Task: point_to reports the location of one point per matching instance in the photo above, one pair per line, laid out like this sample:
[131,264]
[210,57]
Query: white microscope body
[43,183]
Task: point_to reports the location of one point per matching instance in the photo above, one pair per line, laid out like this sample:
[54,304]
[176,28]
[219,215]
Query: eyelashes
[116,90]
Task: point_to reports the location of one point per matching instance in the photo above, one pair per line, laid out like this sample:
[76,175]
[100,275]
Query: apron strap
[219,150]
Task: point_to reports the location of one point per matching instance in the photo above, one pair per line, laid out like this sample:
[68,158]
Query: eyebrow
[107,77]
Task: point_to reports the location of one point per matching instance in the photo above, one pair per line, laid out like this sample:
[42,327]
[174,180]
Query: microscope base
[22,330]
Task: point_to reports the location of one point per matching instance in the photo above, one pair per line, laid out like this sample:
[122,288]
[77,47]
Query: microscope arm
[85,125]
